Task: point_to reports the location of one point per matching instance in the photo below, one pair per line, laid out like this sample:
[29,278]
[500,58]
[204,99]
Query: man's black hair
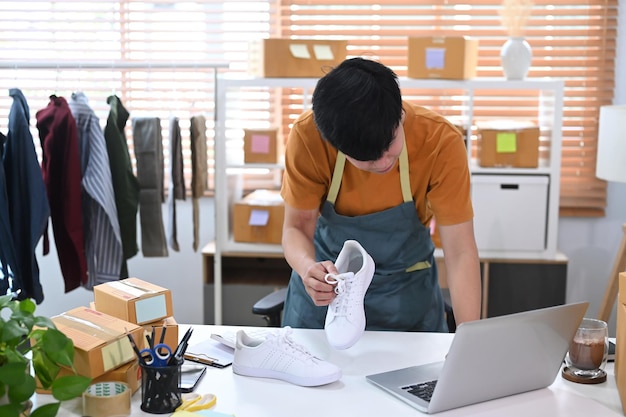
[357,108]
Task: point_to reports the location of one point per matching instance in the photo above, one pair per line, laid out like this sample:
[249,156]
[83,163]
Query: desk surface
[352,395]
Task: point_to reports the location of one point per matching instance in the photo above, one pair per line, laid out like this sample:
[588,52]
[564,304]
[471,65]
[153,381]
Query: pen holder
[160,393]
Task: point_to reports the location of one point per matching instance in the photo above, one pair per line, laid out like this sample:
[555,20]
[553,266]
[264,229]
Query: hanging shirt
[8,260]
[199,177]
[27,200]
[150,173]
[103,242]
[60,166]
[125,184]
[177,182]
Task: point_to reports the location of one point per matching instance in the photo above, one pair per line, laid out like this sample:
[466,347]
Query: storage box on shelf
[507,143]
[261,146]
[539,183]
[451,57]
[258,217]
[284,57]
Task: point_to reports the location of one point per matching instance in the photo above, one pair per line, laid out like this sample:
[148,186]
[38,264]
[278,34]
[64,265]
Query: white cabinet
[510,212]
[499,237]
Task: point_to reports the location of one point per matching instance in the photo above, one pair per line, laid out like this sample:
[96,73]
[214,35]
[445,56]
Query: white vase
[516,57]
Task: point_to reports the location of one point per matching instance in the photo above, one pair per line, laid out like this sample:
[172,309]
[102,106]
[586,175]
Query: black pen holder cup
[159,388]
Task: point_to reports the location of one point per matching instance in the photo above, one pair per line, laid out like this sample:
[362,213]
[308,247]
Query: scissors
[195,402]
[158,355]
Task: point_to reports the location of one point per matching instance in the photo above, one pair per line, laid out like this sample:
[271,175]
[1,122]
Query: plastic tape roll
[107,399]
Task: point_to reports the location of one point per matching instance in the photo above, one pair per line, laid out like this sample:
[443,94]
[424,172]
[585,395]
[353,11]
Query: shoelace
[283,338]
[342,289]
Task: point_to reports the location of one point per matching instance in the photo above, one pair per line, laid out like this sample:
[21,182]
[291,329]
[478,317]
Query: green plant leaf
[45,368]
[10,410]
[27,306]
[13,332]
[13,373]
[47,410]
[68,387]
[41,321]
[58,346]
[18,393]
[5,300]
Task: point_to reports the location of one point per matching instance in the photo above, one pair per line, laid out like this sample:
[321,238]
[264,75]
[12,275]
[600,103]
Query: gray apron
[404,294]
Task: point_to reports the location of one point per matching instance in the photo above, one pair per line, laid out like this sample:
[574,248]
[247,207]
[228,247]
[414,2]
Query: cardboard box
[452,57]
[100,341]
[171,331]
[129,373]
[133,300]
[260,146]
[298,58]
[258,217]
[620,341]
[508,144]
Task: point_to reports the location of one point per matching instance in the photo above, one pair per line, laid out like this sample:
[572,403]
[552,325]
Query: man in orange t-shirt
[405,164]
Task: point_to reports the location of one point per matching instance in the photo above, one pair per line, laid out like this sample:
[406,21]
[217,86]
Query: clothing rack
[113,64]
[119,65]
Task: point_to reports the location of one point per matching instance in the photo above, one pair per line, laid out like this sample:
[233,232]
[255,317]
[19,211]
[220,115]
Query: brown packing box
[129,373]
[100,341]
[260,146]
[171,332]
[508,144]
[445,57]
[620,341]
[133,300]
[258,217]
[298,58]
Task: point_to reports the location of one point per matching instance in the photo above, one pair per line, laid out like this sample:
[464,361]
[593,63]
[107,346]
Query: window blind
[573,39]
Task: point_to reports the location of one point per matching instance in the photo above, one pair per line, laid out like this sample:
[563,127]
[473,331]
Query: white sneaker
[279,357]
[345,318]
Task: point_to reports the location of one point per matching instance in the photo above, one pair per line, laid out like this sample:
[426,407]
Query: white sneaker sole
[293,379]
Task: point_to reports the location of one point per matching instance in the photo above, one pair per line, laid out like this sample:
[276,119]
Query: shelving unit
[549,115]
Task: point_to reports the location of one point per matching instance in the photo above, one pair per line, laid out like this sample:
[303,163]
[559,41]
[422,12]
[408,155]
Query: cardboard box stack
[453,58]
[139,302]
[258,217]
[298,58]
[508,144]
[103,351]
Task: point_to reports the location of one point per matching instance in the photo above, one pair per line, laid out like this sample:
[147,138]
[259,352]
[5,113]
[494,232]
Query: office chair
[271,306]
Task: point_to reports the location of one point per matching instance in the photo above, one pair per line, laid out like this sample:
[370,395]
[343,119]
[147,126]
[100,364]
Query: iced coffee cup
[588,349]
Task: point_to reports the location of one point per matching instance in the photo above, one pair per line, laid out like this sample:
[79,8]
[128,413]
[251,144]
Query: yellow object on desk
[194,402]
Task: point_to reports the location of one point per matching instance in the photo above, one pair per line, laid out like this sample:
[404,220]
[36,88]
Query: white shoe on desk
[280,357]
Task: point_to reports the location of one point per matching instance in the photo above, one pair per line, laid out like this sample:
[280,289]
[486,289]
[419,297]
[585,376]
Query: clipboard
[210,352]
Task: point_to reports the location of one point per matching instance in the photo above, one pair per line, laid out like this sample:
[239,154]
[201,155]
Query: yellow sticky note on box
[506,142]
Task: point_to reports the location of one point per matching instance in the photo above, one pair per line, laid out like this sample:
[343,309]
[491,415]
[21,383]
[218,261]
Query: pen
[163,329]
[177,357]
[135,348]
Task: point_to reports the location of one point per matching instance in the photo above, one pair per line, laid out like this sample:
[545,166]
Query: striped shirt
[103,242]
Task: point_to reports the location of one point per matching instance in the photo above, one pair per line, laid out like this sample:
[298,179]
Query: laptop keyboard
[423,390]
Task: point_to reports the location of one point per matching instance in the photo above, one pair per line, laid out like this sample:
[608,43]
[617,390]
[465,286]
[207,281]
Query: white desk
[354,396]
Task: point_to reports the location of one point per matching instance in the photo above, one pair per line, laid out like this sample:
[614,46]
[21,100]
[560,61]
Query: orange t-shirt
[439,173]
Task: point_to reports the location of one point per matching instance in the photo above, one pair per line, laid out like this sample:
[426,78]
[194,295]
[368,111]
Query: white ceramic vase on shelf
[516,57]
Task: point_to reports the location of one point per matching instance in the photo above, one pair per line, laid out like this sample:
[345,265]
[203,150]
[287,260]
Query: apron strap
[335,183]
[405,181]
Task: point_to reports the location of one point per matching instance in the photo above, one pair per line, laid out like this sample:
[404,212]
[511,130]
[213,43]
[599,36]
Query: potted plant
[33,341]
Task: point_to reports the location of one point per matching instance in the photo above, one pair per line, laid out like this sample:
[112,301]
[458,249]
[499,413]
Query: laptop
[488,359]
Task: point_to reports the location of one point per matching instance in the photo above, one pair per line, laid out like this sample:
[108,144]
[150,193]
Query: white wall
[590,245]
[181,271]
